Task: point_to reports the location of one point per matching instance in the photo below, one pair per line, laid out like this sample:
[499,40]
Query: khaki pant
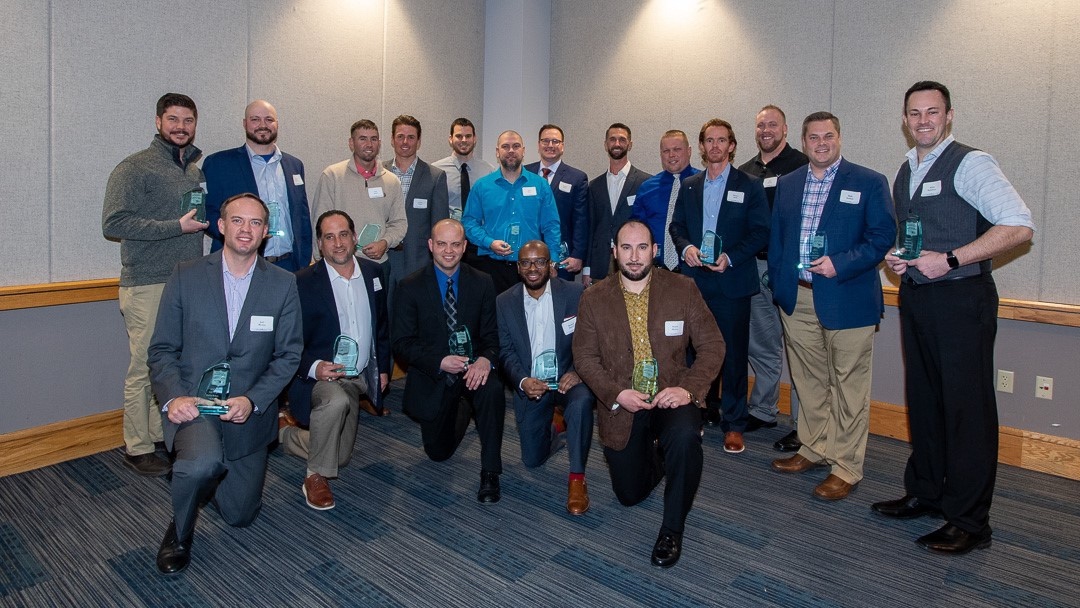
[335,413]
[142,416]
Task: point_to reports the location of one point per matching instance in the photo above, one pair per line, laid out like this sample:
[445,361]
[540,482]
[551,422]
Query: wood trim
[1019,310]
[54,294]
[46,445]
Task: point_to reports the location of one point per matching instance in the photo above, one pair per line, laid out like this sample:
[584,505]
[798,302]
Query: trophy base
[553,385]
[212,409]
[904,255]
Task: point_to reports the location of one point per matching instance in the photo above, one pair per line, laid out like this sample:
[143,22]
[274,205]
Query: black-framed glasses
[535,263]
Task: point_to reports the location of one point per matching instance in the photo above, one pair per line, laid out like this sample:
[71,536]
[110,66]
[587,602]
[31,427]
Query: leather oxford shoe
[795,464]
[733,442]
[667,550]
[489,487]
[754,423]
[577,497]
[148,465]
[833,488]
[908,507]
[317,492]
[173,555]
[788,443]
[955,541]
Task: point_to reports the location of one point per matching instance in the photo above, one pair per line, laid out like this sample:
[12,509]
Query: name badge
[419,203]
[203,186]
[673,328]
[375,192]
[569,324]
[735,196]
[297,180]
[259,323]
[528,191]
[850,197]
[769,182]
[565,187]
[376,284]
[630,200]
[931,188]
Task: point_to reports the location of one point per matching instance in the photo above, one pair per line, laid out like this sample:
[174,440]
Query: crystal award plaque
[818,245]
[646,375]
[546,368]
[368,235]
[564,252]
[214,390]
[513,236]
[274,229]
[909,238]
[711,247]
[194,199]
[455,213]
[461,343]
[346,354]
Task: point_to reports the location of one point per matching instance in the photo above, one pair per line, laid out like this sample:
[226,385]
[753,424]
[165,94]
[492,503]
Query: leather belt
[806,284]
[273,259]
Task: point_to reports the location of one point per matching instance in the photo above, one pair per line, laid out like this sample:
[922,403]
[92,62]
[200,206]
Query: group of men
[480,264]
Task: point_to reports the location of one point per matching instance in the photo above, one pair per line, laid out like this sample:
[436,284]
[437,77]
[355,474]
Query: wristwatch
[951,259]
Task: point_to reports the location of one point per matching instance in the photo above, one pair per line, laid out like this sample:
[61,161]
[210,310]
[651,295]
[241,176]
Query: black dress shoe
[489,487]
[754,423]
[174,555]
[668,548]
[148,465]
[712,416]
[788,443]
[908,507]
[955,541]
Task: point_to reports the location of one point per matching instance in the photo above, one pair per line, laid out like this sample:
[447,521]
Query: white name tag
[630,200]
[569,324]
[850,197]
[931,188]
[259,323]
[769,182]
[419,203]
[297,180]
[375,192]
[203,186]
[673,328]
[376,284]
[528,191]
[565,187]
[735,196]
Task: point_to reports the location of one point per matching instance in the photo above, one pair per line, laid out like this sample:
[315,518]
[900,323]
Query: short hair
[639,223]
[718,122]
[236,197]
[774,107]
[408,121]
[929,85]
[619,125]
[676,133]
[819,116]
[363,123]
[549,126]
[330,213]
[462,122]
[169,100]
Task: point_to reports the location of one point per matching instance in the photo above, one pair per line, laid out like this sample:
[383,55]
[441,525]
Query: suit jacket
[421,338]
[229,173]
[860,226]
[604,355]
[192,334]
[604,223]
[573,207]
[321,329]
[743,226]
[427,203]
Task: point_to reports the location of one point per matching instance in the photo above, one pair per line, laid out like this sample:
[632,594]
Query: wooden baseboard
[60,441]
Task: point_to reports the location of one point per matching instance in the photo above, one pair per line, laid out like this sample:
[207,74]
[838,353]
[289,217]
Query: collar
[334,274]
[527,297]
[252,155]
[553,167]
[623,172]
[913,154]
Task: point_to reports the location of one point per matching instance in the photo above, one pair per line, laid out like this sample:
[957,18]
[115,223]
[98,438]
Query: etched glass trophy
[646,375]
[214,390]
[274,229]
[513,236]
[346,354]
[818,245]
[194,199]
[909,238]
[546,368]
[368,235]
[564,252]
[455,213]
[711,247]
[461,343]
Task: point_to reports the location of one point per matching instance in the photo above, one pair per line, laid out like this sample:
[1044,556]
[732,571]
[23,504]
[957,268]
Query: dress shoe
[284,419]
[953,540]
[173,555]
[369,408]
[788,443]
[577,497]
[148,465]
[833,488]
[489,487]
[712,416]
[795,464]
[317,492]
[908,507]
[668,548]
[754,423]
[733,443]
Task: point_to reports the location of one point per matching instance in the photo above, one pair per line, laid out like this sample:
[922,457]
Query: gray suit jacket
[427,203]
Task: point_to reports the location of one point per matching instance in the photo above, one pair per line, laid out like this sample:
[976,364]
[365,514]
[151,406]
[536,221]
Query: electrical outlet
[1005,381]
[1044,387]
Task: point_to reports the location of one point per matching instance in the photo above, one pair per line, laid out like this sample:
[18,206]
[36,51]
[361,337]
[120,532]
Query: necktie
[465,185]
[450,305]
[671,257]
[547,173]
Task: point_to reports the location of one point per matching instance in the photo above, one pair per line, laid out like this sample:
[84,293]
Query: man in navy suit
[228,307]
[539,316]
[571,189]
[341,295]
[831,227]
[260,167]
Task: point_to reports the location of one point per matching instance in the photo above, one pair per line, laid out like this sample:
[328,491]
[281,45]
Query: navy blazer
[603,223]
[573,207]
[321,329]
[427,203]
[742,225]
[860,226]
[229,173]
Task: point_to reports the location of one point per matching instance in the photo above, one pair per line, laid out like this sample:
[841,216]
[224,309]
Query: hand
[375,249]
[692,256]
[501,247]
[477,374]
[534,388]
[897,265]
[328,371]
[572,264]
[822,266]
[632,401]
[672,397]
[183,409]
[720,266]
[932,264]
[189,224]
[239,410]
[569,381]
[454,364]
[586,280]
[384,380]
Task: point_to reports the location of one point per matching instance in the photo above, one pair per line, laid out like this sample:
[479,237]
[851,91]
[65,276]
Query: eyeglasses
[536,263]
[551,142]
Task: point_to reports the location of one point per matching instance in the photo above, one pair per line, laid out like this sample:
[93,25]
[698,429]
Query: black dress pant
[487,405]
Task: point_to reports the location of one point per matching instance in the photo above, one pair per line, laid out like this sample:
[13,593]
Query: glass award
[461,343]
[646,375]
[455,213]
[546,368]
[513,236]
[818,245]
[194,199]
[711,247]
[368,235]
[909,238]
[346,354]
[214,390]
[564,252]
[274,229]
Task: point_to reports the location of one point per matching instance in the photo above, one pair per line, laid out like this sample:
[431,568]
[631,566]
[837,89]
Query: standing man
[438,379]
[339,296]
[731,204]
[505,209]
[570,188]
[460,167]
[656,197]
[948,317]
[774,158]
[634,316]
[370,194]
[831,228]
[259,166]
[228,307]
[611,198]
[539,317]
[143,210]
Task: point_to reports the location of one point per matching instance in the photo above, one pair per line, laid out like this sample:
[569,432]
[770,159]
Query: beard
[262,137]
[639,275]
[770,148]
[510,164]
[616,153]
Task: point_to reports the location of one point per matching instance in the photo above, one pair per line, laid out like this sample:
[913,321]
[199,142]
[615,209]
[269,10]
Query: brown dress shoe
[733,443]
[317,492]
[795,464]
[577,497]
[833,488]
[284,419]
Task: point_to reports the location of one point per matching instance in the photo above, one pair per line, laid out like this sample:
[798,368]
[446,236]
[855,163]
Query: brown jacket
[604,356]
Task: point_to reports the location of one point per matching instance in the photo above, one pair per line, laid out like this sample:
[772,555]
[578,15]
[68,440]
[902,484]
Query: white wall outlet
[1005,381]
[1044,387]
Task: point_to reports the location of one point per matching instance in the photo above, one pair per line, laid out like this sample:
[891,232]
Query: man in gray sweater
[145,209]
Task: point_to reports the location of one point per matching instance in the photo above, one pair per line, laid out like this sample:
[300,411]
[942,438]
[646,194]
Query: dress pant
[328,442]
[765,351]
[534,426]
[487,405]
[503,273]
[733,318]
[142,418]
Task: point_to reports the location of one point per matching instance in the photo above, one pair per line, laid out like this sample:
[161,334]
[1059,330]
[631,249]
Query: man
[144,210]
[570,187]
[830,229]
[970,213]
[438,378]
[370,194]
[539,317]
[340,296]
[260,166]
[505,209]
[634,316]
[426,199]
[228,307]
[731,204]
[774,158]
[460,167]
[656,197]
[611,197]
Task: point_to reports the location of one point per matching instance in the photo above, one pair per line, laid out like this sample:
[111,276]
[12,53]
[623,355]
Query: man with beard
[611,198]
[259,166]
[656,197]
[649,320]
[143,209]
[462,169]
[507,208]
[535,318]
[570,187]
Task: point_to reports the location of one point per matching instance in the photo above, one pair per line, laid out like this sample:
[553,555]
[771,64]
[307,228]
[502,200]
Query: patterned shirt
[637,312]
[404,176]
[815,194]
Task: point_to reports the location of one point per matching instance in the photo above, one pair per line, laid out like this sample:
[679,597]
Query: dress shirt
[615,183]
[495,203]
[815,194]
[405,177]
[478,168]
[712,196]
[651,204]
[354,312]
[540,319]
[552,168]
[442,279]
[270,179]
[236,290]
